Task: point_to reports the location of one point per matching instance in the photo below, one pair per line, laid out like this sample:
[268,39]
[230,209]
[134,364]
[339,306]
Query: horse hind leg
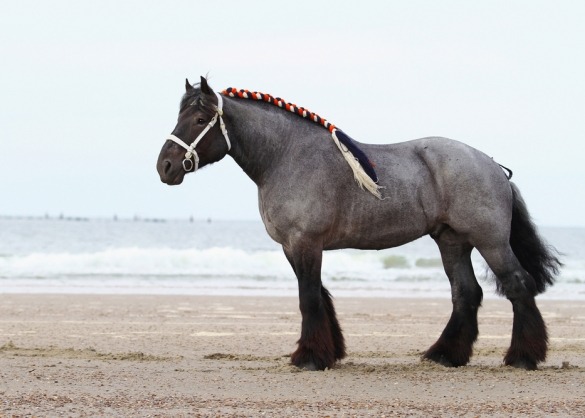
[529,335]
[455,345]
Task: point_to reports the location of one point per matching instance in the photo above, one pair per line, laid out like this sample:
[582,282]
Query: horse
[309,203]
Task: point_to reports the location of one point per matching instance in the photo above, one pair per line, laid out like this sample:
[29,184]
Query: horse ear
[188,86]
[205,89]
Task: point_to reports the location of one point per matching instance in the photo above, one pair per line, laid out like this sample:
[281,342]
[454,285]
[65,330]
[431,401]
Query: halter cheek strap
[193,165]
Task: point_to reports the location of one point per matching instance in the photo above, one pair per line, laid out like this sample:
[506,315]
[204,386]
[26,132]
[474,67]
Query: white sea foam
[216,261]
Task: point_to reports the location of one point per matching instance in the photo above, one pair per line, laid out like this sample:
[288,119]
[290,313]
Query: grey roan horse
[309,202]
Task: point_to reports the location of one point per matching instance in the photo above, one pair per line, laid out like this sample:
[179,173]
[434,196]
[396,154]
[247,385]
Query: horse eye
[200,121]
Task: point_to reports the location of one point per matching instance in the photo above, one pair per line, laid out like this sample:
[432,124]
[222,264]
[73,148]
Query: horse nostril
[167,165]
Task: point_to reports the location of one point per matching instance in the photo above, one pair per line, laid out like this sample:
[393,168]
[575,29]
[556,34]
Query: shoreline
[137,355]
[174,291]
[570,292]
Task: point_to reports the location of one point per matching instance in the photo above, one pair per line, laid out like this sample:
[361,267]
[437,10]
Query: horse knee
[310,303]
[474,296]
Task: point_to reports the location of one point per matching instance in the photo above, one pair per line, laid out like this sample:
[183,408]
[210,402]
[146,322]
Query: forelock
[195,98]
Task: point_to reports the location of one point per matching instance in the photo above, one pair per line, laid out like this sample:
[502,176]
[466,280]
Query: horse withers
[309,202]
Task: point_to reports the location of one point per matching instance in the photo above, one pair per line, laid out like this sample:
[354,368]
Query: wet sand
[101,355]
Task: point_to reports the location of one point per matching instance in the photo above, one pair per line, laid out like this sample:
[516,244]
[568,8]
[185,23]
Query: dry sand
[95,355]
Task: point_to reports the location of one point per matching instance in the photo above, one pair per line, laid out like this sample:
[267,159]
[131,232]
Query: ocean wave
[223,262]
[226,263]
[136,261]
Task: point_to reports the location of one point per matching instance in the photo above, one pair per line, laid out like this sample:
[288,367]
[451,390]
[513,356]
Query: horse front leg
[321,343]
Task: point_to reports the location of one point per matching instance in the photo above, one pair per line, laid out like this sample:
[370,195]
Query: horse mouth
[173,181]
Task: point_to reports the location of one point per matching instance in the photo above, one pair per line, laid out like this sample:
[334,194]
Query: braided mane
[277,101]
[362,167]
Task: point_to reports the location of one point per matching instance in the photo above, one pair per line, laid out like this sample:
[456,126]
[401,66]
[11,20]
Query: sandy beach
[104,355]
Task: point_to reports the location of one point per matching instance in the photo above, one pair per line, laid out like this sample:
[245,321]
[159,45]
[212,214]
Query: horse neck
[259,134]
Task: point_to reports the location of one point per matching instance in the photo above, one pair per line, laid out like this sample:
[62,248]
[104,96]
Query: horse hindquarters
[321,343]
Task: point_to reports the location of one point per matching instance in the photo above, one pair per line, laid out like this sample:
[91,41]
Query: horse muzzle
[171,174]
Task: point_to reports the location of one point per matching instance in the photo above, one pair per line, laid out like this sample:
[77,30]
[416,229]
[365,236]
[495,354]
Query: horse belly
[376,230]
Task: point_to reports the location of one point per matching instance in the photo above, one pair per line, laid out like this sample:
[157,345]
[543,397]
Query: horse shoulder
[292,204]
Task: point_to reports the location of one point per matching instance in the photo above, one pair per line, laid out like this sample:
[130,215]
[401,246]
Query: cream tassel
[363,180]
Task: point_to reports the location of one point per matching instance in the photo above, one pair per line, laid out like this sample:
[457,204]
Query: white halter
[189,165]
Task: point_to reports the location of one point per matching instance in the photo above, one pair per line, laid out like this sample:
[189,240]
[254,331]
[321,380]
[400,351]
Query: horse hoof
[309,366]
[522,364]
[445,358]
[439,359]
[307,360]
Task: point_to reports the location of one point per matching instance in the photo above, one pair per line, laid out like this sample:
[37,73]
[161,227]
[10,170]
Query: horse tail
[538,258]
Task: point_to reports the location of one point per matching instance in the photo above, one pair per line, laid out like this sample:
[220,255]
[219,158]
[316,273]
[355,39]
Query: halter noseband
[193,165]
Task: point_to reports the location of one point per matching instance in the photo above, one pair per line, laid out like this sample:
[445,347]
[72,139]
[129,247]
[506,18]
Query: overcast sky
[89,90]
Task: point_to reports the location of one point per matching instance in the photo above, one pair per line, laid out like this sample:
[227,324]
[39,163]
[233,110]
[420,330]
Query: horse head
[196,141]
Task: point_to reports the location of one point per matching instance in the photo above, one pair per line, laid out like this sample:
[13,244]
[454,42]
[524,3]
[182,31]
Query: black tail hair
[534,254]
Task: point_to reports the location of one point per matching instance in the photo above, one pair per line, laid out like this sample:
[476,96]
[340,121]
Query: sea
[211,257]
